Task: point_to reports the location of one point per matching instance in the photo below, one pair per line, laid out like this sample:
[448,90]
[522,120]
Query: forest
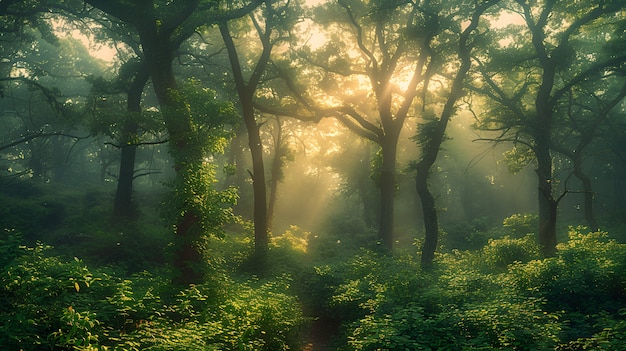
[313,175]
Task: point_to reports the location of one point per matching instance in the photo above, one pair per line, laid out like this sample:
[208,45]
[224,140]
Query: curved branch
[30,137]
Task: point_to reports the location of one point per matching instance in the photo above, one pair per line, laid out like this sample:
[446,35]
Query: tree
[432,135]
[586,116]
[125,126]
[269,23]
[41,96]
[529,77]
[370,72]
[162,26]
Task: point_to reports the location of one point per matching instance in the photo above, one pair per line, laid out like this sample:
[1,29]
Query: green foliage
[465,236]
[77,223]
[38,292]
[199,126]
[500,297]
[389,305]
[49,303]
[242,316]
[195,192]
[500,253]
[293,238]
[610,337]
[585,281]
[518,225]
[78,330]
[213,120]
[405,329]
[342,236]
[426,129]
[518,158]
[587,275]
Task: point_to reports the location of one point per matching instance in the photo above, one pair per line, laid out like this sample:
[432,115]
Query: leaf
[76,286]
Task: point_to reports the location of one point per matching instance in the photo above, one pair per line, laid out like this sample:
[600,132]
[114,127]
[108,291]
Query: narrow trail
[321,332]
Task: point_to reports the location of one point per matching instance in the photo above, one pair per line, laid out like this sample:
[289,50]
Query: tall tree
[588,112]
[270,23]
[370,72]
[529,77]
[432,135]
[123,125]
[162,26]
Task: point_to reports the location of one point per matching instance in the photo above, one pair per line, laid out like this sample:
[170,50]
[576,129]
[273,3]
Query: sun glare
[97,50]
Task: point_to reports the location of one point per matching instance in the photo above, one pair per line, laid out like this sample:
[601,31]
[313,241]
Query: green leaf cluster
[500,297]
[52,303]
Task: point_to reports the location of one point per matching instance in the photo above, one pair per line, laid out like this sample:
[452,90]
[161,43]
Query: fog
[312,175]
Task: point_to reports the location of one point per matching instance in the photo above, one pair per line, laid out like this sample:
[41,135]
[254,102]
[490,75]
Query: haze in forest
[312,175]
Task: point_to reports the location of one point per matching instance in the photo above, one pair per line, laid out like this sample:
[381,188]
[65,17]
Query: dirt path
[319,336]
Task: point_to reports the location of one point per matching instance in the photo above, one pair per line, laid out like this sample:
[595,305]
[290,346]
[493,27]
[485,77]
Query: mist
[312,175]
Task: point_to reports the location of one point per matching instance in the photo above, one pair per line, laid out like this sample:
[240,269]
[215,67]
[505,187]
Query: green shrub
[584,282]
[251,316]
[611,335]
[520,224]
[500,253]
[341,236]
[40,294]
[508,321]
[468,235]
[79,330]
[50,303]
[589,272]
[405,328]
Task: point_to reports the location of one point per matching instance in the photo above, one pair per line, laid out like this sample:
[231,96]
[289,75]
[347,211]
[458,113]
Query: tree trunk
[245,91]
[430,150]
[123,206]
[587,192]
[387,184]
[547,203]
[158,55]
[431,225]
[261,238]
[276,173]
[543,142]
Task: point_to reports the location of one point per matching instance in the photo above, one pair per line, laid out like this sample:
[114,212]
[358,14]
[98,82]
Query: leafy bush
[50,303]
[501,297]
[248,317]
[585,282]
[41,295]
[500,253]
[589,272]
[406,328]
[468,236]
[520,225]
